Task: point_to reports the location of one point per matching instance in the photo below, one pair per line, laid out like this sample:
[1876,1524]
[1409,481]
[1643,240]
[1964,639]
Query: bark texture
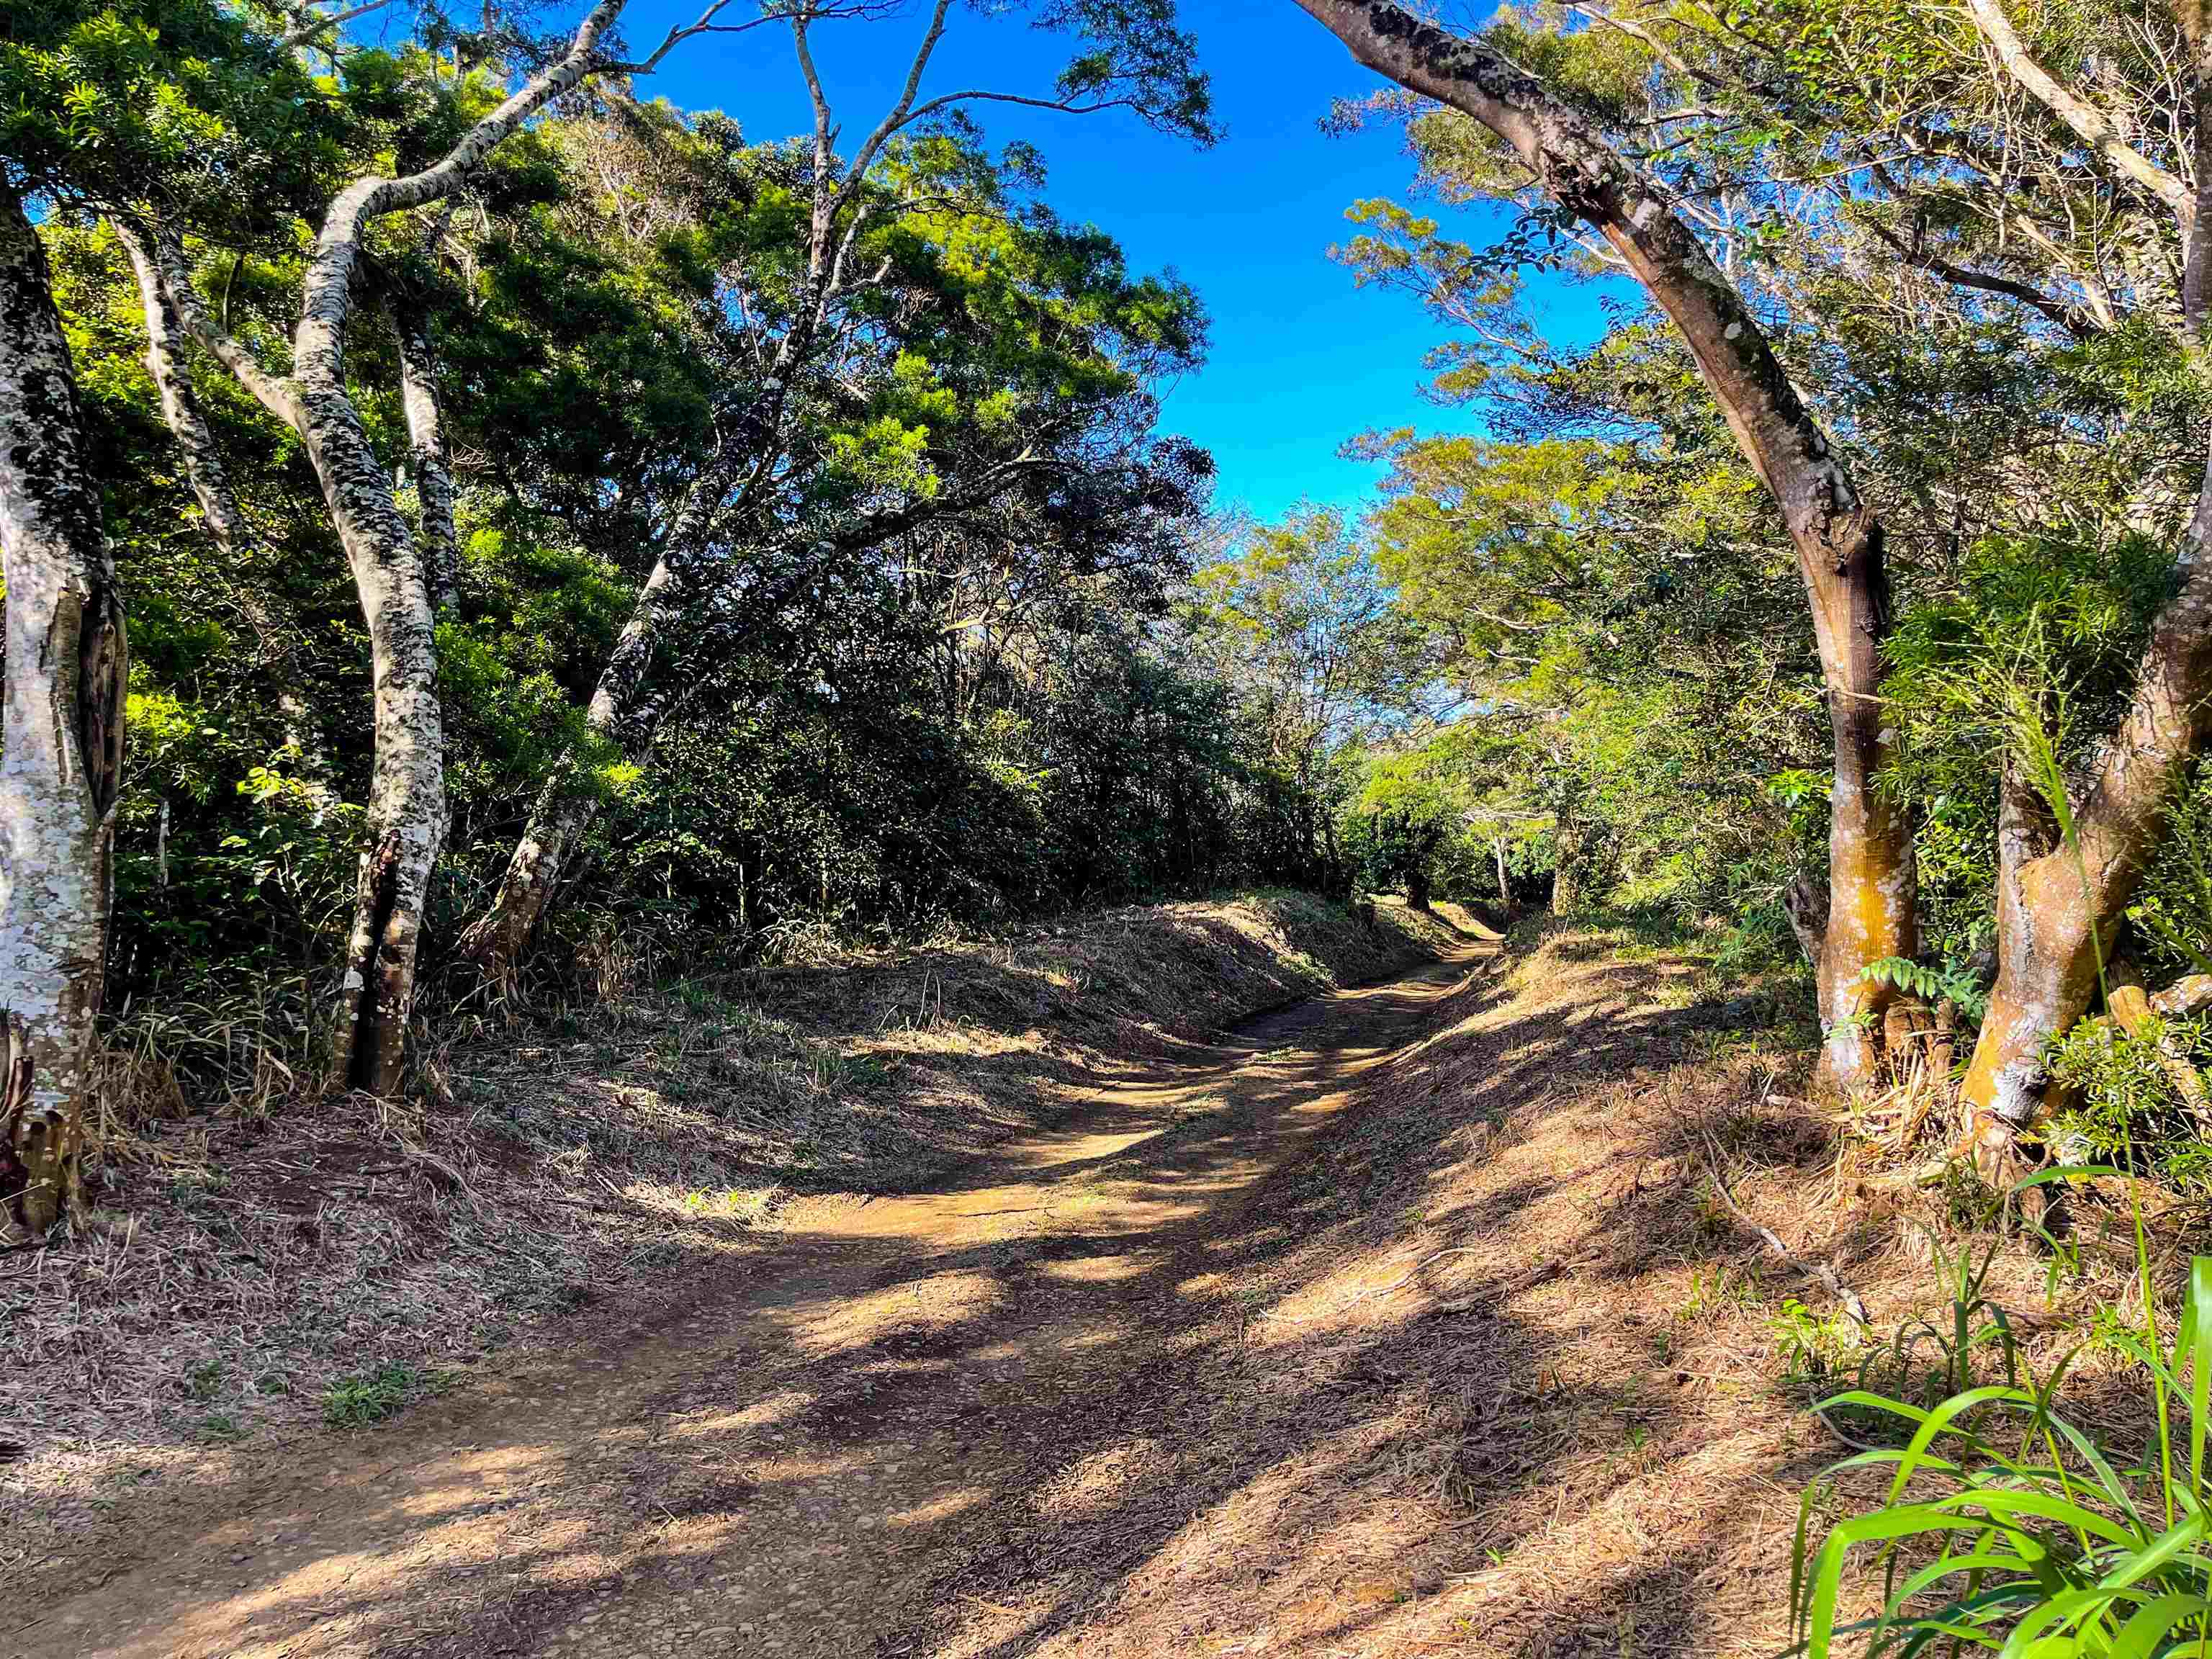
[61,752]
[428,461]
[180,406]
[1872,912]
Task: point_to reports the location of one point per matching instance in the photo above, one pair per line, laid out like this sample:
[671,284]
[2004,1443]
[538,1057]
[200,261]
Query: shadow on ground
[1400,1324]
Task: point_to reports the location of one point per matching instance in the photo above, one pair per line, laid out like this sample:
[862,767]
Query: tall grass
[2005,1526]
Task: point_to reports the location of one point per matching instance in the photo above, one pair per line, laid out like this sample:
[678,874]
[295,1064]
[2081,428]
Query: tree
[1870,913]
[61,752]
[2071,855]
[1302,624]
[863,216]
[61,757]
[407,817]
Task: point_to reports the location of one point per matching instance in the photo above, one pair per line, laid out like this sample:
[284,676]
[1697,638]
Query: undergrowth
[2005,1524]
[355,1402]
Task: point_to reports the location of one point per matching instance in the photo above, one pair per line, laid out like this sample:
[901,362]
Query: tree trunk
[61,752]
[427,462]
[2060,899]
[1567,845]
[1872,912]
[406,807]
[568,802]
[2059,905]
[1505,892]
[407,821]
[180,406]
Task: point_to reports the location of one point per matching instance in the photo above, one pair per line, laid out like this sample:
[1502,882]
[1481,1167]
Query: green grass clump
[2006,1529]
[357,1402]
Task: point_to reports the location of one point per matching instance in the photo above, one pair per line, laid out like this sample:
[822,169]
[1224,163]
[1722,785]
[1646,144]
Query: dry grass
[248,1258]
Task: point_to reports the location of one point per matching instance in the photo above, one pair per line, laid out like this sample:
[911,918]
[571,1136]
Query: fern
[1930,984]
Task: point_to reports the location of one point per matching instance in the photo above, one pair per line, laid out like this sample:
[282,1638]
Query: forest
[503,563]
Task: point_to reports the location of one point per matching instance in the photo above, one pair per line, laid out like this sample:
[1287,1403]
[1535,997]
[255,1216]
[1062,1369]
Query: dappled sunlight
[937,1510]
[1460,1369]
[1098,1269]
[936,1301]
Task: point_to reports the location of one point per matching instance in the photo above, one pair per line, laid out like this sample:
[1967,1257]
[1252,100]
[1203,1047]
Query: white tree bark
[428,461]
[406,805]
[180,406]
[61,751]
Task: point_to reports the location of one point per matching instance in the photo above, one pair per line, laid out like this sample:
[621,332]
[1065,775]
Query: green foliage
[2172,911]
[2122,1104]
[104,100]
[357,1402]
[1944,983]
[933,690]
[2004,1525]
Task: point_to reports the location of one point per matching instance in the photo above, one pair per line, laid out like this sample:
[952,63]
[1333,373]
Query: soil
[1394,1324]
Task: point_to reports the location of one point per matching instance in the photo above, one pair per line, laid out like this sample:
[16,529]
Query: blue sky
[1300,358]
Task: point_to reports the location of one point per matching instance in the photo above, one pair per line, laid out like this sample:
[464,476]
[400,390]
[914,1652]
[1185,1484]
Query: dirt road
[886,1418]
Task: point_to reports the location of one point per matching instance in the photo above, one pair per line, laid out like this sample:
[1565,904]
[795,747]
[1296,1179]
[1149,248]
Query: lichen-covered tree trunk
[181,407]
[406,805]
[61,751]
[1872,912]
[428,461]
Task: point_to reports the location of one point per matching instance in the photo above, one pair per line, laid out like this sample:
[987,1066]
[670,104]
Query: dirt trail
[820,1460]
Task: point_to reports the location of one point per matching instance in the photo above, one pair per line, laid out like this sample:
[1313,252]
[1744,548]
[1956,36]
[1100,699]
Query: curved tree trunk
[180,406]
[569,800]
[407,814]
[2059,905]
[1871,908]
[406,805]
[61,752]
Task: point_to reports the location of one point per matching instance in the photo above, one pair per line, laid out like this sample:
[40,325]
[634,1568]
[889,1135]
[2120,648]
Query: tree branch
[313,23]
[273,393]
[2075,320]
[2090,124]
